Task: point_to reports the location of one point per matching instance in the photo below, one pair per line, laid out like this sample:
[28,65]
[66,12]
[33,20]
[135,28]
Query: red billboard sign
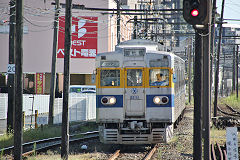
[84,37]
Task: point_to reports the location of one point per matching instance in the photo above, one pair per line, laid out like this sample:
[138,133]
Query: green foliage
[1,156]
[159,153]
[34,149]
[42,133]
[6,140]
[232,101]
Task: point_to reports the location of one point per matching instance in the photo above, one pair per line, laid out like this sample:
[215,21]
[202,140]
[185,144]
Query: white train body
[131,107]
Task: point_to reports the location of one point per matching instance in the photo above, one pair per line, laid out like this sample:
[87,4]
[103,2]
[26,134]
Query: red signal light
[194,12]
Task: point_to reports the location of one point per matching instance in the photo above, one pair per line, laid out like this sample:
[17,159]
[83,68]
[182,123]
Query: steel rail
[213,154]
[235,115]
[151,153]
[219,151]
[115,155]
[233,110]
[28,147]
[90,135]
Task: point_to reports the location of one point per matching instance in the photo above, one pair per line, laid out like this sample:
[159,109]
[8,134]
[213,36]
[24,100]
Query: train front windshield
[134,77]
[158,77]
[110,77]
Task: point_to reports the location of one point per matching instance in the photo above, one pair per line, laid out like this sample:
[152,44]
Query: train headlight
[104,100]
[112,100]
[108,100]
[165,100]
[157,100]
[160,99]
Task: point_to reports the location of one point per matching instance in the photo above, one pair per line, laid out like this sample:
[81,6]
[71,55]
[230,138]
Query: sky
[231,10]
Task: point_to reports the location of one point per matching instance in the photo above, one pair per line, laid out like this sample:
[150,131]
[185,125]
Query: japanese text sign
[39,83]
[232,143]
[84,37]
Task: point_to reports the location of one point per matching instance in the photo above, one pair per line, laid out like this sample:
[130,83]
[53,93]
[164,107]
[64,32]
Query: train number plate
[134,97]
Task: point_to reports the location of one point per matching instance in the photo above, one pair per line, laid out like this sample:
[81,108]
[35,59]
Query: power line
[77,6]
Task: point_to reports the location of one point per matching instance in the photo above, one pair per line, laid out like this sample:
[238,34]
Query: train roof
[149,45]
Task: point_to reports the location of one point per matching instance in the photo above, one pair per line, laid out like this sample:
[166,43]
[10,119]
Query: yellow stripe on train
[123,78]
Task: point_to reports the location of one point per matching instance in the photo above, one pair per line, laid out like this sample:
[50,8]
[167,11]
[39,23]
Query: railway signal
[195,12]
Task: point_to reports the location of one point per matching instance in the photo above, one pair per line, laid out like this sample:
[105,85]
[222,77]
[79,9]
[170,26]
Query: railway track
[147,156]
[218,152]
[228,117]
[45,144]
[229,108]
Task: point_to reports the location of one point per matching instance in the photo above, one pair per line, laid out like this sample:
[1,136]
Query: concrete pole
[19,82]
[67,46]
[53,70]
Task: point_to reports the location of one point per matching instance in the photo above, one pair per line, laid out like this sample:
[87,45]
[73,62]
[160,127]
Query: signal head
[194,12]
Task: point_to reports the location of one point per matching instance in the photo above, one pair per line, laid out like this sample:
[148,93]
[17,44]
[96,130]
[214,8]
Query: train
[140,93]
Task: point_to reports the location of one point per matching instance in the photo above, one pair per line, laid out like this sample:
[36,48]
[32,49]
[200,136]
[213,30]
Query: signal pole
[197,13]
[11,79]
[67,46]
[206,94]
[206,105]
[197,121]
[19,82]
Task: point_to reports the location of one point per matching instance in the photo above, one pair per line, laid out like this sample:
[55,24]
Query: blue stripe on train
[150,102]
[119,101]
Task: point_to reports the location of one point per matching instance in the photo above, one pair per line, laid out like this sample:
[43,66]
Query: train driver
[161,80]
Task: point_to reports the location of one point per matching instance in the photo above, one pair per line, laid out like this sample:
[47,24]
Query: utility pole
[233,70]
[189,49]
[11,60]
[118,21]
[53,70]
[146,24]
[212,46]
[217,67]
[135,28]
[19,82]
[67,46]
[237,62]
[223,72]
[197,125]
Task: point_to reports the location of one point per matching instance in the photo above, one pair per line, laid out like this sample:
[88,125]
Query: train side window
[158,77]
[110,77]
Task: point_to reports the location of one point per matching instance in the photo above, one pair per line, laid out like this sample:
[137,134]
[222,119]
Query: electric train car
[140,93]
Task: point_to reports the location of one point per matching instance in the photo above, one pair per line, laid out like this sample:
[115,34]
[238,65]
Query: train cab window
[110,77]
[158,77]
[134,77]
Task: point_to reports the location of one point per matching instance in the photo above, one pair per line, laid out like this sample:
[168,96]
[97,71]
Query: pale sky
[231,10]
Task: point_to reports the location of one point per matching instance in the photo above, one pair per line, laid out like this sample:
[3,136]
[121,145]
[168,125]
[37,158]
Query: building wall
[38,41]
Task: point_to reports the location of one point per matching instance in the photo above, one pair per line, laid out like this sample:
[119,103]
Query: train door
[134,92]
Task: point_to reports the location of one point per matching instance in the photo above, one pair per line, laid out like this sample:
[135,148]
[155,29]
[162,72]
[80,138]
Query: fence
[81,106]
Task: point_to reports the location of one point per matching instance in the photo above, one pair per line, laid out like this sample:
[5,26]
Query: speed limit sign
[11,69]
